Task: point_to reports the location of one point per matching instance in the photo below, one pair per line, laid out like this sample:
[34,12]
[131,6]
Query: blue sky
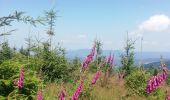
[108,20]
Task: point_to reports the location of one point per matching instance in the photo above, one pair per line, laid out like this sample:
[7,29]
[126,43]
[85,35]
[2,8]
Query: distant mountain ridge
[157,64]
[147,57]
[84,52]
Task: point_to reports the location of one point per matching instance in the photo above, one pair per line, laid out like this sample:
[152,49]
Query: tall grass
[115,90]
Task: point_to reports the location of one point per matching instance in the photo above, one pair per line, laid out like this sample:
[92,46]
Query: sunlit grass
[115,90]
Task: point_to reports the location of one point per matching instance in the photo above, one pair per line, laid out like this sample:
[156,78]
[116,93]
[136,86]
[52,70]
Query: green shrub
[9,69]
[30,87]
[55,69]
[158,94]
[136,83]
[6,52]
[6,87]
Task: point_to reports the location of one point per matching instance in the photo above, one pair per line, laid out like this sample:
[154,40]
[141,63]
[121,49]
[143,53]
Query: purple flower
[149,86]
[167,98]
[78,90]
[164,76]
[40,95]
[109,61]
[62,93]
[96,77]
[89,58]
[21,78]
[19,82]
[155,81]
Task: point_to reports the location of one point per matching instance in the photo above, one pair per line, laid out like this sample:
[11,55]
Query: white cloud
[81,36]
[156,23]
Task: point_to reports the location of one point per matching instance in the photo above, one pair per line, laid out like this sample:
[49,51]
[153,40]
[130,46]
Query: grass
[115,90]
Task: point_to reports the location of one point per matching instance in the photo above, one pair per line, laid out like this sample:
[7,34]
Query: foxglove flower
[89,58]
[149,87]
[19,82]
[96,77]
[155,81]
[164,76]
[167,98]
[167,95]
[159,79]
[78,91]
[154,84]
[21,78]
[62,93]
[40,95]
[109,61]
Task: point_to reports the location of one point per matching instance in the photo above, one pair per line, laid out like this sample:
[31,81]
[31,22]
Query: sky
[81,21]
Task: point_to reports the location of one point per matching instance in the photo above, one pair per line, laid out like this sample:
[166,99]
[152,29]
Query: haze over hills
[157,64]
[147,57]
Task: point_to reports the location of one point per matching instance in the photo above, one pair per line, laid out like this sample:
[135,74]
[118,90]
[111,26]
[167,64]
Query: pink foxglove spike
[89,58]
[40,95]
[78,91]
[156,81]
[62,95]
[19,82]
[96,77]
[149,87]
